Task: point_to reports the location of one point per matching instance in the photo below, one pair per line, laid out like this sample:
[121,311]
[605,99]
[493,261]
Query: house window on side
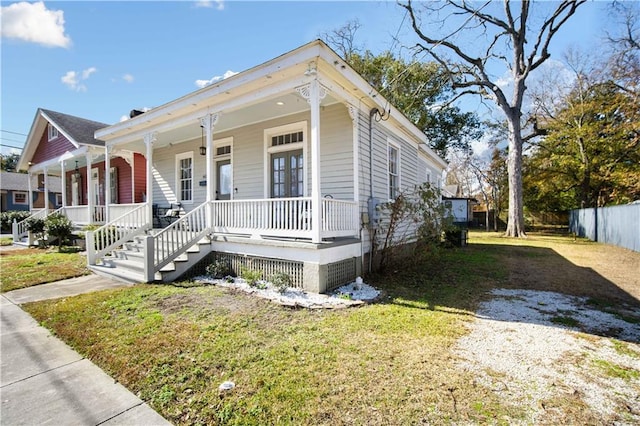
[20,198]
[394,171]
[184,177]
[113,185]
[52,132]
[58,199]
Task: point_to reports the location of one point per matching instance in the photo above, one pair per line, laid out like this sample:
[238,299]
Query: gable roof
[79,131]
[10,181]
[247,85]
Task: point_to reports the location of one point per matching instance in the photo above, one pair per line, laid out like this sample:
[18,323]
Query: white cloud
[87,73]
[34,23]
[128,78]
[74,79]
[203,83]
[218,4]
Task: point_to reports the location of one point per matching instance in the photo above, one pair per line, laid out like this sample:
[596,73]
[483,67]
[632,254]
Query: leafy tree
[420,90]
[514,40]
[9,162]
[591,154]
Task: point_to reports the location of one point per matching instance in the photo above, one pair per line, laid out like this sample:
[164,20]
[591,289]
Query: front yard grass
[28,267]
[384,363]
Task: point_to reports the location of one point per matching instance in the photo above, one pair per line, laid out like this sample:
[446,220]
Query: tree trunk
[515,223]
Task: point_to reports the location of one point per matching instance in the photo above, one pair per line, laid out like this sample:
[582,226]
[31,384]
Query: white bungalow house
[279,167]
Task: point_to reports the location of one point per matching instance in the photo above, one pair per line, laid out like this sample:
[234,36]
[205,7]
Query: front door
[287,174]
[95,182]
[223,180]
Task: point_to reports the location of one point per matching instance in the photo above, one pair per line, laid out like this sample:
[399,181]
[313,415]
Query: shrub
[60,227]
[219,268]
[281,281]
[6,219]
[251,276]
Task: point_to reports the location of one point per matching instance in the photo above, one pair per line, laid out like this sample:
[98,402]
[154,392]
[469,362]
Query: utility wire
[14,133]
[11,146]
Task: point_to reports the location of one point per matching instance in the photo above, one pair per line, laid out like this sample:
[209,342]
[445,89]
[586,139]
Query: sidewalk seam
[122,412]
[43,372]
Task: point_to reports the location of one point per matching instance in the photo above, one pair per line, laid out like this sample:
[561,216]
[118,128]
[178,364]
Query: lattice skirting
[340,273]
[268,267]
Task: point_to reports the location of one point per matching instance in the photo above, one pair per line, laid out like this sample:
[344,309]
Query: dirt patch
[602,272]
[224,301]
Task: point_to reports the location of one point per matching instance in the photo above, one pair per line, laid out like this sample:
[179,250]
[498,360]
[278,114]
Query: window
[285,153]
[19,198]
[58,200]
[184,177]
[113,186]
[53,132]
[394,171]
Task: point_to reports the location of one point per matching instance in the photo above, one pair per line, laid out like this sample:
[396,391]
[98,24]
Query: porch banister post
[63,179]
[90,194]
[149,139]
[316,199]
[46,192]
[107,182]
[208,122]
[30,193]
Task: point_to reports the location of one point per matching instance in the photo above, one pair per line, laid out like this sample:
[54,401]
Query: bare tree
[496,38]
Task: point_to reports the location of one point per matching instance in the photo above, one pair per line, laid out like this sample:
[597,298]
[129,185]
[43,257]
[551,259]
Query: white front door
[75,189]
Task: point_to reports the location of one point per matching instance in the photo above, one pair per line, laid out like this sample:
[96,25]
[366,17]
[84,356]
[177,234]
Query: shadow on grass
[458,280]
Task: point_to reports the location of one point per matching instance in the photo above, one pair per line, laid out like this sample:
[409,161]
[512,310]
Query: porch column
[46,192]
[63,179]
[355,119]
[107,182]
[30,193]
[90,195]
[314,93]
[208,122]
[149,139]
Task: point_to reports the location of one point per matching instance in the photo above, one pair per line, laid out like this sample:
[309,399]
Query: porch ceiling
[274,107]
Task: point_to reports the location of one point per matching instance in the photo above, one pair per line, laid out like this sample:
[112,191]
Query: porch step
[127,263]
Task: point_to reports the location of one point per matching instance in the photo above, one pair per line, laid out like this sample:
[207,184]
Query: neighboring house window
[19,198]
[53,132]
[58,199]
[113,185]
[285,171]
[394,170]
[184,176]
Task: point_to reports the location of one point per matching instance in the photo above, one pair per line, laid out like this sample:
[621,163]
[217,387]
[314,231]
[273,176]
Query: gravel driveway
[553,353]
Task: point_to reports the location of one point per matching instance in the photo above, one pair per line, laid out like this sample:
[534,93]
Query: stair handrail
[178,237]
[19,229]
[118,231]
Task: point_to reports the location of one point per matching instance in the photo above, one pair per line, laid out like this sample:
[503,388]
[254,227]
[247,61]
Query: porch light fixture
[203,148]
[76,172]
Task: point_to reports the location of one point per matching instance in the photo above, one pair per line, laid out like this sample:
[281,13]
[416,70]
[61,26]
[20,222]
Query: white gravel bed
[517,351]
[352,294]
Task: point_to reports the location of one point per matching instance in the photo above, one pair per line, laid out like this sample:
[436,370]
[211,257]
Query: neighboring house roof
[10,181]
[78,131]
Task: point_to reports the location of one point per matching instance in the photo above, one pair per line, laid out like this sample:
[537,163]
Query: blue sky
[99,60]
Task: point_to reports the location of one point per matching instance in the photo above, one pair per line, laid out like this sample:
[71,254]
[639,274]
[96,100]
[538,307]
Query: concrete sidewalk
[44,381]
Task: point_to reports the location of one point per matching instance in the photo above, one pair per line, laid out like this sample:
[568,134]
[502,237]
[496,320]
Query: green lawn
[29,267]
[383,363]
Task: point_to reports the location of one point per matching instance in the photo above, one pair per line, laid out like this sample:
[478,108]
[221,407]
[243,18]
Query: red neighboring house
[64,145]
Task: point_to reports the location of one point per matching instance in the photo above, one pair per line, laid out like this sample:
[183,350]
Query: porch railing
[117,210]
[175,239]
[77,214]
[284,217]
[339,218]
[279,217]
[19,229]
[116,232]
